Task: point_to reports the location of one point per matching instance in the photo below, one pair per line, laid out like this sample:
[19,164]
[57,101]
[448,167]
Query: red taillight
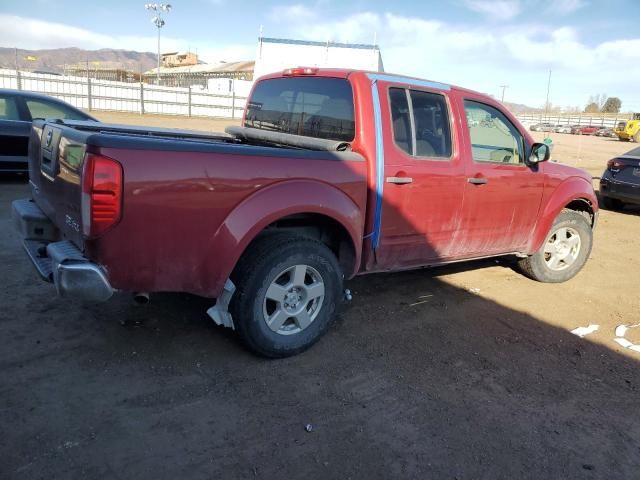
[300,71]
[101,195]
[615,165]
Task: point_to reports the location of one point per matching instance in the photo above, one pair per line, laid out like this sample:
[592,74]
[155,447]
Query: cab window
[311,106]
[494,139]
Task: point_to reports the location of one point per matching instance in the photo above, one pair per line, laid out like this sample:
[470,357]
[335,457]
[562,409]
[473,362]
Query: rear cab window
[319,107]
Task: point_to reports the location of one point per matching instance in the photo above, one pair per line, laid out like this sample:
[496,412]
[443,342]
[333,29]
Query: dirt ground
[464,372]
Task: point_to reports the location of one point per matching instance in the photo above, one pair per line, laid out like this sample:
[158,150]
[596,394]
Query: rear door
[14,135]
[503,193]
[423,176]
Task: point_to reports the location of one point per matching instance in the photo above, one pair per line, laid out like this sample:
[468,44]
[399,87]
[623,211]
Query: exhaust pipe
[141,298]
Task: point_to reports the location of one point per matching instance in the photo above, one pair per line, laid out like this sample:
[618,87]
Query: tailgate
[55,169]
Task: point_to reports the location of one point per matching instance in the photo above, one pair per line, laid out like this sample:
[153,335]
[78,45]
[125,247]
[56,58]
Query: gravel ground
[465,372]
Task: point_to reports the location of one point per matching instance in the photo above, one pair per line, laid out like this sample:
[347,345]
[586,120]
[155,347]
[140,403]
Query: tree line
[601,103]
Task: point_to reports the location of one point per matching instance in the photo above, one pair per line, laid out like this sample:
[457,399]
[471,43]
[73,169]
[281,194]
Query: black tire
[262,265]
[536,266]
[611,203]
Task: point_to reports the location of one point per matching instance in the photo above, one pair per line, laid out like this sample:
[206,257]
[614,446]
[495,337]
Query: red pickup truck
[333,174]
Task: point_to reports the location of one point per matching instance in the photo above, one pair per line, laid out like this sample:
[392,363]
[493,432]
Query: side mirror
[540,152]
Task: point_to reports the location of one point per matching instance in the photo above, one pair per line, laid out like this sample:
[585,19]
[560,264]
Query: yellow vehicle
[629,130]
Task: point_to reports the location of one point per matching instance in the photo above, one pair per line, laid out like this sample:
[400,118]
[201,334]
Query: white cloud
[297,12]
[29,33]
[32,34]
[564,7]
[482,58]
[496,9]
[478,55]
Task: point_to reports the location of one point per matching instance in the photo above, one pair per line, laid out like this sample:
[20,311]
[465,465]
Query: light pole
[157,20]
[546,105]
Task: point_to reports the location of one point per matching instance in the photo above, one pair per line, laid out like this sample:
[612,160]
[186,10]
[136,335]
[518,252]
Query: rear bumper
[59,262]
[625,192]
[14,165]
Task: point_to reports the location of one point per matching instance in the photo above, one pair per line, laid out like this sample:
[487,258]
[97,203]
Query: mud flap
[220,311]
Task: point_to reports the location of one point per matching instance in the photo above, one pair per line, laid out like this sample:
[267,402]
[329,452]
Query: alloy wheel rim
[562,248]
[293,300]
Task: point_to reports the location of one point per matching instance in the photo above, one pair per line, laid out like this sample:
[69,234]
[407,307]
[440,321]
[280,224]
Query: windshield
[317,107]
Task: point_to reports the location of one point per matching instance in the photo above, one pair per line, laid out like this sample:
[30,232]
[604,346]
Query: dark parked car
[606,132]
[620,182]
[17,110]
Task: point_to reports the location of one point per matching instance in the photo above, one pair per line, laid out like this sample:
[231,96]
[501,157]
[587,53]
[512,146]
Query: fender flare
[251,216]
[571,189]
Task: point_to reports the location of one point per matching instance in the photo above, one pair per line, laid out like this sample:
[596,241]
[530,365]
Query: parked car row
[573,129]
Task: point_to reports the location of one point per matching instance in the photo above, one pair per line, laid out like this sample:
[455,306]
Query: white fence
[586,119]
[91,94]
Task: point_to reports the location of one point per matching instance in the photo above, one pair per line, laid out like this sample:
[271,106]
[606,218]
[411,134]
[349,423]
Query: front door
[424,178]
[503,193]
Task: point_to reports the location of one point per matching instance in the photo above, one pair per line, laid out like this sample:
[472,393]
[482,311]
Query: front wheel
[564,252]
[288,290]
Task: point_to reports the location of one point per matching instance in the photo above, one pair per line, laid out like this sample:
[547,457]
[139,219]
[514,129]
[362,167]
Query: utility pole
[504,87]
[158,21]
[546,104]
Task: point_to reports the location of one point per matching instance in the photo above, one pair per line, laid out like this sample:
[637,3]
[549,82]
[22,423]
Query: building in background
[200,74]
[178,59]
[101,71]
[277,54]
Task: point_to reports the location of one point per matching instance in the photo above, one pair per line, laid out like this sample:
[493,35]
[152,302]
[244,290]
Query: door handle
[477,181]
[399,180]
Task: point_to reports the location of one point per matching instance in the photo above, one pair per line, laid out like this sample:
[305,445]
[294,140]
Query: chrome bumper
[59,262]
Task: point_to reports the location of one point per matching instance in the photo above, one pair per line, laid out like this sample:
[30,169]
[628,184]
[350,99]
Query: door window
[401,119]
[8,109]
[420,122]
[43,109]
[494,139]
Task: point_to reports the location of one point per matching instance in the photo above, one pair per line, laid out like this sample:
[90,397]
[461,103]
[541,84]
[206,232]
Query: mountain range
[54,60]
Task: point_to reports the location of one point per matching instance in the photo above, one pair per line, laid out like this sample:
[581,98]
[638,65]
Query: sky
[590,46]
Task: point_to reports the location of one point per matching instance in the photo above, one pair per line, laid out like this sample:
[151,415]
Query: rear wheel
[611,203]
[564,252]
[288,290]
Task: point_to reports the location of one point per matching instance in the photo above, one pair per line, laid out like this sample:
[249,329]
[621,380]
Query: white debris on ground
[621,331]
[584,331]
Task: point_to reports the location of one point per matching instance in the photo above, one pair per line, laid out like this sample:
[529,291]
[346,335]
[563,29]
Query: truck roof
[391,77]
